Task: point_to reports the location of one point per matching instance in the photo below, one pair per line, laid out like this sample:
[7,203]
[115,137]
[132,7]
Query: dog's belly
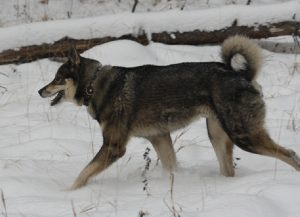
[167,120]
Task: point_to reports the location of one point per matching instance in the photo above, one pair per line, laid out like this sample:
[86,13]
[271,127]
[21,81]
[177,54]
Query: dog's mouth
[58,96]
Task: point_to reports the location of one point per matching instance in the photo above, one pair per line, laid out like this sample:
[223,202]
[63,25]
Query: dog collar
[89,90]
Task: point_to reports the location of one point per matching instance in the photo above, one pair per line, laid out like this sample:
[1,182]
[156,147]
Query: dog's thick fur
[151,101]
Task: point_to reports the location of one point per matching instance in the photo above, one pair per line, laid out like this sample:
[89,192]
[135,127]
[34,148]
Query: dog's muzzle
[59,95]
[43,92]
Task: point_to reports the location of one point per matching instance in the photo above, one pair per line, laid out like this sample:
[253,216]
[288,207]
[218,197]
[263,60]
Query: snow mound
[122,53]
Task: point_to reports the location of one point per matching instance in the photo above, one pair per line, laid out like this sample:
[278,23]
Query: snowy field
[44,148]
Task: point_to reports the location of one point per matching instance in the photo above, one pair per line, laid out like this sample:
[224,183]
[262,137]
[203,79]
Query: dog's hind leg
[241,112]
[222,145]
[164,148]
[261,143]
[114,147]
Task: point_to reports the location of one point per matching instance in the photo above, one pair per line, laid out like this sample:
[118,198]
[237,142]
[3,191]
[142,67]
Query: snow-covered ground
[43,148]
[14,12]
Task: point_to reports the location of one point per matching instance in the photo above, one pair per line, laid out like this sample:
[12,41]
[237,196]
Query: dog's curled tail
[242,55]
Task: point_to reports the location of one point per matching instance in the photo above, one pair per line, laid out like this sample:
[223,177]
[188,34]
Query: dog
[151,101]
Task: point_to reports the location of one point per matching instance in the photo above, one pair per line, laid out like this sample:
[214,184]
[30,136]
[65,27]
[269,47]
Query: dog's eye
[57,79]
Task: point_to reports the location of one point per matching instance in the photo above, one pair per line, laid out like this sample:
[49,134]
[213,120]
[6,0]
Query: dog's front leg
[114,147]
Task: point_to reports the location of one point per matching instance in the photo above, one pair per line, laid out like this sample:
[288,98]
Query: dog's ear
[74,56]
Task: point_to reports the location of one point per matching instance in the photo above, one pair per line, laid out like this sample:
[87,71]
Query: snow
[16,12]
[44,148]
[128,23]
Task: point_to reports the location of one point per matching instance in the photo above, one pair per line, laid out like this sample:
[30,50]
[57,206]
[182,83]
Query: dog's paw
[79,183]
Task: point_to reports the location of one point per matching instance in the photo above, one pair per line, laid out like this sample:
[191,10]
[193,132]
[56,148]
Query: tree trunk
[197,37]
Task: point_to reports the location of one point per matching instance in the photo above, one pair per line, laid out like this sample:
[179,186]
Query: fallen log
[60,48]
[29,42]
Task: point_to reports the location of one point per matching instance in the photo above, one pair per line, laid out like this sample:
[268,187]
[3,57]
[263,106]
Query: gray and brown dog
[151,101]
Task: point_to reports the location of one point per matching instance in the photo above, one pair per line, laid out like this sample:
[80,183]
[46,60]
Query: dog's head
[67,78]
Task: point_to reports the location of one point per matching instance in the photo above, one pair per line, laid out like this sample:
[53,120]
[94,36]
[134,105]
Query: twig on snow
[73,209]
[146,169]
[183,5]
[4,203]
[2,73]
[134,6]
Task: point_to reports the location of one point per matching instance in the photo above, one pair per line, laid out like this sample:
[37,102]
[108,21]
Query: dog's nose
[40,91]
